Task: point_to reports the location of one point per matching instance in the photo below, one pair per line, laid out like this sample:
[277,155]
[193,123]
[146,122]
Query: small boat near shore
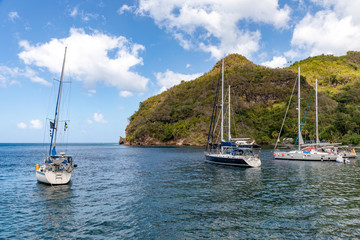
[341,159]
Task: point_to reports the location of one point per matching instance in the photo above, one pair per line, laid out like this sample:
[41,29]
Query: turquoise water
[123,192]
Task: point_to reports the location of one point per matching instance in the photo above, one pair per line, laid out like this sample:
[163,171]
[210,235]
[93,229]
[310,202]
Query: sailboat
[57,168]
[309,152]
[228,152]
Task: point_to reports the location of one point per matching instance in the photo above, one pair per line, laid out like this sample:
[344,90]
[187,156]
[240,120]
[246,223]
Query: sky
[119,53]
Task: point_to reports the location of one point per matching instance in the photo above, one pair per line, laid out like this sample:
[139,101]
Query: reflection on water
[122,192]
[55,209]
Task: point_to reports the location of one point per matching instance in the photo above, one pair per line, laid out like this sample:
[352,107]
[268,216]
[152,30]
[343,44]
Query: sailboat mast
[229,118]
[57,110]
[317,120]
[222,101]
[299,122]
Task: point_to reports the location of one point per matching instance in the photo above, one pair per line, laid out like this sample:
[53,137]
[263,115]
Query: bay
[133,192]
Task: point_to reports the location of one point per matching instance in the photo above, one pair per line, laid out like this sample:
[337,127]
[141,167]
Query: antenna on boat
[222,101]
[229,135]
[299,120]
[317,119]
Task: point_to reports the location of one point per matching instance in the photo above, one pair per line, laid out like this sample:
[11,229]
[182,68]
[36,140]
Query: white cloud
[13,16]
[22,125]
[91,92]
[342,8]
[125,8]
[74,12]
[276,62]
[92,58]
[334,30]
[7,76]
[99,118]
[215,26]
[36,124]
[88,16]
[3,81]
[126,94]
[30,73]
[169,78]
[85,17]
[292,54]
[14,82]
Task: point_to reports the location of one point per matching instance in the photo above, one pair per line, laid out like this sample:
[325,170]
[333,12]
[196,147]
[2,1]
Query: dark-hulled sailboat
[229,152]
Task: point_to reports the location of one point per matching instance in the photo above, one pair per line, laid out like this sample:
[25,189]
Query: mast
[222,101]
[299,122]
[317,119]
[52,150]
[229,118]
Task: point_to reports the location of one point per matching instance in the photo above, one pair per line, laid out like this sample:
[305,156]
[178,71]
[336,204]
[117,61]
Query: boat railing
[62,159]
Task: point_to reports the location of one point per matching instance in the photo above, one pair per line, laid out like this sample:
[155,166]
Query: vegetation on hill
[339,78]
[259,96]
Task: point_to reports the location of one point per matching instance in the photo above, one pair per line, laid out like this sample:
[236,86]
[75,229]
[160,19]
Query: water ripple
[170,193]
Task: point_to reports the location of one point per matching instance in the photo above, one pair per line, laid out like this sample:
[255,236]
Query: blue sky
[122,52]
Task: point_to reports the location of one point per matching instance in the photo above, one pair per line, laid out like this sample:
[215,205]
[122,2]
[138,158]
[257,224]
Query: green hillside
[339,78]
[259,97]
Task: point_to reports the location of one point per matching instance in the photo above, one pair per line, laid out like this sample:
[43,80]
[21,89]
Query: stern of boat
[54,177]
[253,161]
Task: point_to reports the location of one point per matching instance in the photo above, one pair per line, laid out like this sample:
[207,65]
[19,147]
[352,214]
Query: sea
[134,192]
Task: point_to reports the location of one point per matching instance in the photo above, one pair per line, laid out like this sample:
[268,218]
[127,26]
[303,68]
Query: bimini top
[228,144]
[233,144]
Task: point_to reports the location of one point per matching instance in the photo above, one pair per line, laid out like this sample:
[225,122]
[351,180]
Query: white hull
[54,177]
[301,156]
[341,159]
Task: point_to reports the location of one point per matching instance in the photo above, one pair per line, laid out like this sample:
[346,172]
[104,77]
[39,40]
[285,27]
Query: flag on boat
[52,125]
[66,126]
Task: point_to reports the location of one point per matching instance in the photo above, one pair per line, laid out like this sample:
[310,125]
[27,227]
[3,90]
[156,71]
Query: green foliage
[259,98]
[353,139]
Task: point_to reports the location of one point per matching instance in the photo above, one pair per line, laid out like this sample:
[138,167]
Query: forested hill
[259,96]
[339,78]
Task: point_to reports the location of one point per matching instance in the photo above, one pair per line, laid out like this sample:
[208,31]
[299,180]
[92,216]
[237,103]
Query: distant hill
[259,96]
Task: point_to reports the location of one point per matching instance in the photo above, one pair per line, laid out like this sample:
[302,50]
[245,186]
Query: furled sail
[301,141]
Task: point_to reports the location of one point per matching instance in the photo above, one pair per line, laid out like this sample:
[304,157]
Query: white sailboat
[57,168]
[228,152]
[312,152]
